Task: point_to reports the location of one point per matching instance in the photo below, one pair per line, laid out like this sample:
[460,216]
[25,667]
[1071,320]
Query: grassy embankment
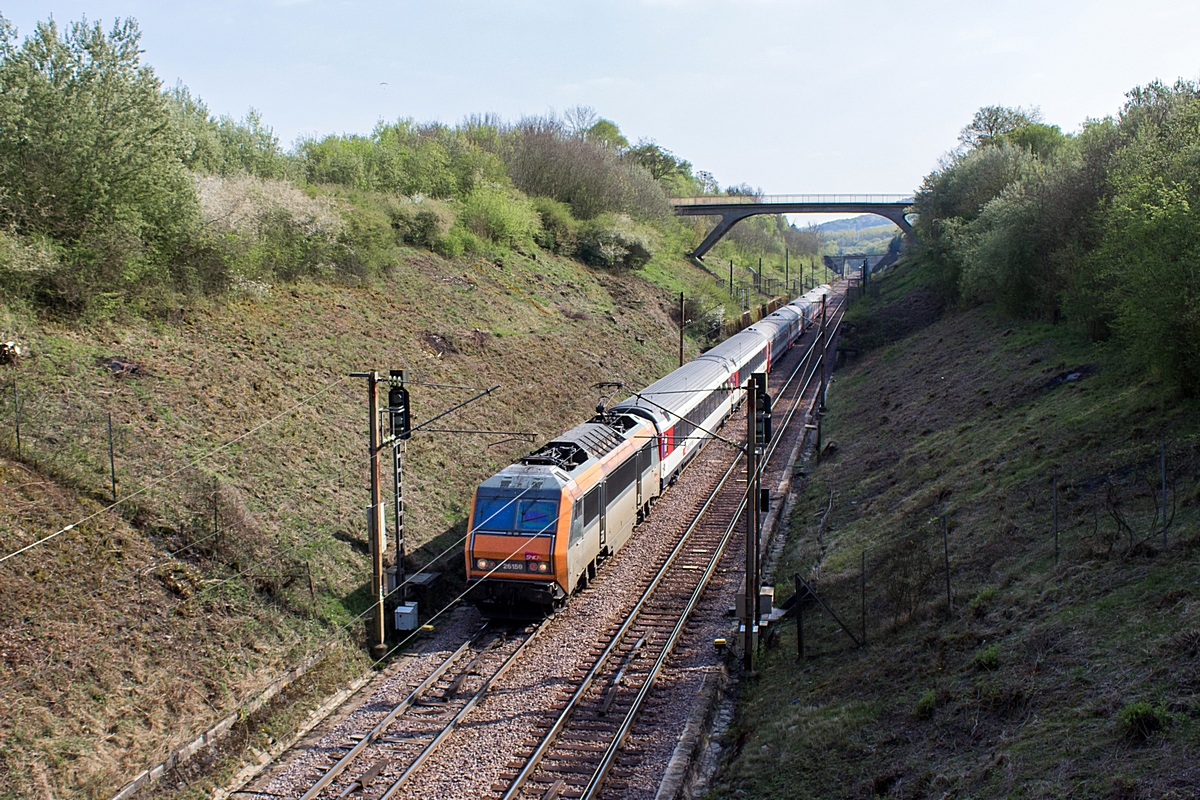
[114,650]
[1044,680]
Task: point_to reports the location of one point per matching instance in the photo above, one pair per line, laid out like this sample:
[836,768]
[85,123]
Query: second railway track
[545,712]
[580,748]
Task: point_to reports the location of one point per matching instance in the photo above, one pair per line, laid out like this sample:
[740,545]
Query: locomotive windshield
[537,516]
[516,513]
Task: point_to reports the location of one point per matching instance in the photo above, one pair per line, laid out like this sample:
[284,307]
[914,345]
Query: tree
[658,162]
[1149,257]
[991,122]
[1042,140]
[579,119]
[606,132]
[88,146]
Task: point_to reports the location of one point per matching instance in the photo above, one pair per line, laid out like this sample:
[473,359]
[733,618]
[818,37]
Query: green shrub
[614,241]
[1150,243]
[263,230]
[226,146]
[423,222]
[1139,721]
[546,159]
[987,657]
[26,262]
[926,704]
[403,158]
[502,216]
[559,231]
[368,243]
[982,601]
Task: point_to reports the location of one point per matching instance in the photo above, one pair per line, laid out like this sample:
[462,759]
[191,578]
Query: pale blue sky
[791,96]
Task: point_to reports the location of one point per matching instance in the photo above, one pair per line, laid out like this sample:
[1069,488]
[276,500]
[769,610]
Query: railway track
[377,763]
[573,746]
[579,753]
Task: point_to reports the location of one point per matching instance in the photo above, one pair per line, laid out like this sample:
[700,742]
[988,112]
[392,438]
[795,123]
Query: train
[540,528]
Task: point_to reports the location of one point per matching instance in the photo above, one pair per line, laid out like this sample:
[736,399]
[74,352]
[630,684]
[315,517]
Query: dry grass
[109,667]
[1022,689]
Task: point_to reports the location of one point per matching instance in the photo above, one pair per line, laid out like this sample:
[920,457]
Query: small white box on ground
[406,617]
[766,599]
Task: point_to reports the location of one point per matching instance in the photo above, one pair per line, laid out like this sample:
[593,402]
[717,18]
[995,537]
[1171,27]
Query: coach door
[639,466]
[603,514]
[645,460]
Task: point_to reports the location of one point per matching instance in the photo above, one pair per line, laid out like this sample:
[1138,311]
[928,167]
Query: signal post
[749,599]
[758,435]
[376,530]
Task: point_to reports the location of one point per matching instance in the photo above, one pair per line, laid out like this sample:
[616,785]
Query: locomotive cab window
[537,516]
[494,513]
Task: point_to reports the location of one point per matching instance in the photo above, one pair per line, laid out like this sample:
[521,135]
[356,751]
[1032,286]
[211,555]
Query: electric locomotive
[541,527]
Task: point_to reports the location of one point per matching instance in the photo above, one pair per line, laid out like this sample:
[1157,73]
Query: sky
[792,96]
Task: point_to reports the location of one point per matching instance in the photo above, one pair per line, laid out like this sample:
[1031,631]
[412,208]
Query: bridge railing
[766,199]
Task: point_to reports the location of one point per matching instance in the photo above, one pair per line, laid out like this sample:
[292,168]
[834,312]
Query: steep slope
[240,443]
[1065,668]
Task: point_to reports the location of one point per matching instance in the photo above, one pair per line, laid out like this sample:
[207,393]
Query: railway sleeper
[571,769]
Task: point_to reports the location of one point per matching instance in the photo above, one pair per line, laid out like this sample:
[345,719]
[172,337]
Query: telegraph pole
[824,352]
[762,437]
[375,531]
[681,321]
[751,523]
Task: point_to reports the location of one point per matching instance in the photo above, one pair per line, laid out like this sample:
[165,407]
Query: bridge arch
[734,209]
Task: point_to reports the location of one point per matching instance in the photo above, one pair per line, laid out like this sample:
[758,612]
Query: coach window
[591,506]
[576,523]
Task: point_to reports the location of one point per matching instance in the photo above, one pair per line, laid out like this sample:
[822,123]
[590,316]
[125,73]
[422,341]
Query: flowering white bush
[243,204]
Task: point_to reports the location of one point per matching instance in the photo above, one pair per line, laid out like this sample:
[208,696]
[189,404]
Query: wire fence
[188,497]
[1127,510]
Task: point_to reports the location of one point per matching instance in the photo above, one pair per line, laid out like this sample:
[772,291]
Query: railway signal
[398,408]
[400,415]
[762,409]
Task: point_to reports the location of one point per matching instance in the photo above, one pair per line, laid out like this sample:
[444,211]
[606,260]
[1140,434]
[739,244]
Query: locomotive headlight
[481,563]
[538,566]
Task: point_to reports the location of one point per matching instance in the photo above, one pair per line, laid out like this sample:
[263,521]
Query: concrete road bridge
[735,208]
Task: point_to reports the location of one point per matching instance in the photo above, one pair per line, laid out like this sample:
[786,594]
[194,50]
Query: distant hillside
[859,223]
[866,233]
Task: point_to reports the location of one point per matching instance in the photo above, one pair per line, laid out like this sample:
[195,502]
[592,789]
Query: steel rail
[345,761]
[551,735]
[548,739]
[452,725]
[618,740]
